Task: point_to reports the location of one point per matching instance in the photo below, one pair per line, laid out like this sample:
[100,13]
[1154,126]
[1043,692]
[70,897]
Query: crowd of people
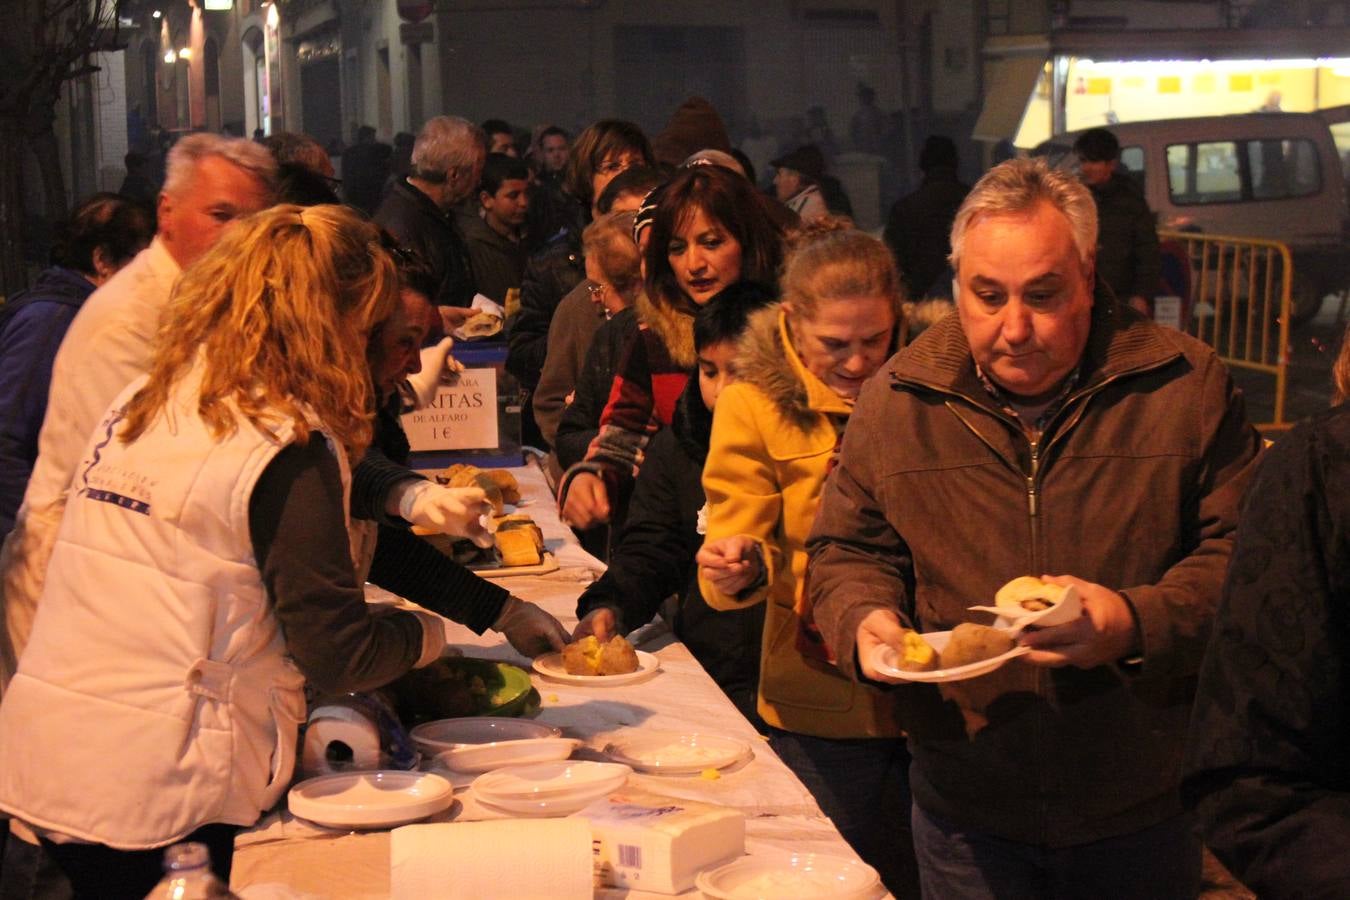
[742,413]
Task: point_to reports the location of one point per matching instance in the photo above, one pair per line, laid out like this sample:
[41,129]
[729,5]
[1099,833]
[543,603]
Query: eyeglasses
[597,291]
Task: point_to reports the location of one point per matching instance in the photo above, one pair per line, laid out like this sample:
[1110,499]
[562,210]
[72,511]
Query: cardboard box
[655,843]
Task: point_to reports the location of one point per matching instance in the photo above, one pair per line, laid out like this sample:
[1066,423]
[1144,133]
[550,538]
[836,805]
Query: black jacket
[1268,759]
[549,275]
[918,230]
[654,559]
[419,225]
[1127,239]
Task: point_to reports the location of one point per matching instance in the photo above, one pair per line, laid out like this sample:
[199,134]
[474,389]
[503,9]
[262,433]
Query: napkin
[549,859]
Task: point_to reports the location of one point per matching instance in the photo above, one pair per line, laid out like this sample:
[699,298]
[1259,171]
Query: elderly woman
[103,235]
[775,436]
[213,496]
[614,273]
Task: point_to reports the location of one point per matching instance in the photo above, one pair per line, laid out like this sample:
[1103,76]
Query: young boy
[655,555]
[494,232]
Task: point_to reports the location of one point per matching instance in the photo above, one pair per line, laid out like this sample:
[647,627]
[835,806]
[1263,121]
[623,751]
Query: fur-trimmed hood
[673,327]
[766,359]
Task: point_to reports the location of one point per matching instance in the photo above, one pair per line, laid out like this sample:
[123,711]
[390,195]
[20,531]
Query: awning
[1009,82]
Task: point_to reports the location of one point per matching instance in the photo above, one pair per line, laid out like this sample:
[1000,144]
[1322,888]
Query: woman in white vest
[203,572]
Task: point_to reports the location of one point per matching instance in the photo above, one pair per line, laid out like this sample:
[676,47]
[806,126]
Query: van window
[1283,169]
[1229,171]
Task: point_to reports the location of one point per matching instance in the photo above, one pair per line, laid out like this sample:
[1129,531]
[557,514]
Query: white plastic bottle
[188,876]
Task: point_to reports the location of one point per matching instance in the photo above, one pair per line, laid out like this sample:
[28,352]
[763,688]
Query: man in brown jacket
[1041,431]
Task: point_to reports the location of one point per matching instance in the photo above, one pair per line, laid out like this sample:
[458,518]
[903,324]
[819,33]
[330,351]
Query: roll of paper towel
[524,859]
[339,739]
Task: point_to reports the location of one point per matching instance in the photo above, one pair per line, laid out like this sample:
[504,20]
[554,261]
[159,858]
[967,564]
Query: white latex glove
[435,362]
[462,512]
[529,629]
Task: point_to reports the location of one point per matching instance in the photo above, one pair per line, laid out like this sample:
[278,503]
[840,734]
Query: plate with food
[1027,601]
[966,651]
[673,753]
[594,664]
[456,686]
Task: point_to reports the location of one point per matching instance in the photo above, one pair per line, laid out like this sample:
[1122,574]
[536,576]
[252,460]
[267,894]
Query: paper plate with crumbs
[673,753]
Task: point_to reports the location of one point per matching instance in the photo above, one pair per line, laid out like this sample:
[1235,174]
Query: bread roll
[1028,594]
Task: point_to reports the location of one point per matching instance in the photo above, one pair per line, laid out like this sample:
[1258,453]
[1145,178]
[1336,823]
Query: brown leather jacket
[940,498]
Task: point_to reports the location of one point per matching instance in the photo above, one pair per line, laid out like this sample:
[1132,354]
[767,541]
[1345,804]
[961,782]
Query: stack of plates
[549,789]
[791,876]
[378,799]
[450,734]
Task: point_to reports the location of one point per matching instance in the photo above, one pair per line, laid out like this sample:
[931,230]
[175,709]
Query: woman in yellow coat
[775,437]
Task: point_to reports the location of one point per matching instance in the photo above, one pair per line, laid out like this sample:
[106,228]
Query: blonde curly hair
[280,312]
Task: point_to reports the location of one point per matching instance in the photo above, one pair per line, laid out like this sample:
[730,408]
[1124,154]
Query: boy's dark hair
[552,130]
[499,167]
[1097,145]
[637,180]
[724,317]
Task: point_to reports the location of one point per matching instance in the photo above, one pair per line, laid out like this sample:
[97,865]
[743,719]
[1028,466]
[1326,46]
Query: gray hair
[252,157]
[1017,186]
[446,144]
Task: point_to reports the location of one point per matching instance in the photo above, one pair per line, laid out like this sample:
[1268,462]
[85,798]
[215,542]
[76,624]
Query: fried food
[1028,594]
[590,657]
[618,657]
[972,643]
[506,483]
[916,654]
[499,485]
[518,547]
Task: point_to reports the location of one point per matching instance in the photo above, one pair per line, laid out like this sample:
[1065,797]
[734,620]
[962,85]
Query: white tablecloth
[285,856]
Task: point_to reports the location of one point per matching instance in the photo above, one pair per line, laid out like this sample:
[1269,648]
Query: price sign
[463,415]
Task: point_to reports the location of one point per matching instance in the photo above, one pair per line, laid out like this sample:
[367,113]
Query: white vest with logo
[155,695]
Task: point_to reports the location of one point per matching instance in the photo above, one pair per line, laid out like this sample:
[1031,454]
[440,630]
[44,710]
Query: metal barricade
[1239,304]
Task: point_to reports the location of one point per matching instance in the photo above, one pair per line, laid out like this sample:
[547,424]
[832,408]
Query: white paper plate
[675,753]
[486,757]
[377,799]
[550,665]
[550,780]
[790,876]
[884,658]
[447,734]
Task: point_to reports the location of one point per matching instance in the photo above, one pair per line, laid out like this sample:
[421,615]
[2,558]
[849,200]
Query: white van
[1267,175]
